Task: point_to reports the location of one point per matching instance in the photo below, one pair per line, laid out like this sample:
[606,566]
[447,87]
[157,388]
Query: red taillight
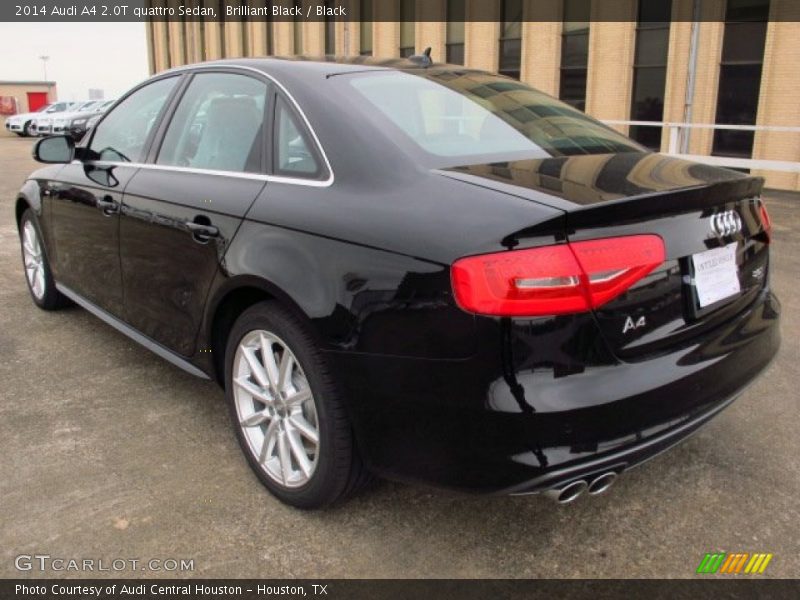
[554,280]
[766,222]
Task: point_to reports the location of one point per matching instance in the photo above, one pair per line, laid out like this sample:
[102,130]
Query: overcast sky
[107,56]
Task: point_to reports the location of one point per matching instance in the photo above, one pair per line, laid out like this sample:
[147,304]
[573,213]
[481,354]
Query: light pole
[44,59]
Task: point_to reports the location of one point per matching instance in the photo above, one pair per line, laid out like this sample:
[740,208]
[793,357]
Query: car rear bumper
[505,421]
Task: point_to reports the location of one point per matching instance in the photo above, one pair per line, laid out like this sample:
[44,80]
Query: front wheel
[287,413]
[37,268]
[26,129]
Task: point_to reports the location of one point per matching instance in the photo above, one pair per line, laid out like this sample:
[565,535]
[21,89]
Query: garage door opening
[36,100]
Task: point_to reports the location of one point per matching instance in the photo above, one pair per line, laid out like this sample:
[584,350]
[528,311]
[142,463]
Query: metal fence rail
[678,130]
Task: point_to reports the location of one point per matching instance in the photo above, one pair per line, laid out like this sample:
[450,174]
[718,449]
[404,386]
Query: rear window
[459,116]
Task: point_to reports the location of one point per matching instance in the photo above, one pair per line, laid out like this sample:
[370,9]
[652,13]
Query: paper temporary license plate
[716,276]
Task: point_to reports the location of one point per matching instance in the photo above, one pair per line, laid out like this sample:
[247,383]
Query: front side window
[292,154]
[217,125]
[481,118]
[121,136]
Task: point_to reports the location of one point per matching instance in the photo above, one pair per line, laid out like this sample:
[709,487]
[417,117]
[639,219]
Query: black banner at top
[102,11]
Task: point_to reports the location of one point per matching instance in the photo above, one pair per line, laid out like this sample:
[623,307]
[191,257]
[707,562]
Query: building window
[330,28]
[511,39]
[221,25]
[650,70]
[574,53]
[270,36]
[365,16]
[454,34]
[408,16]
[740,75]
[202,37]
[298,29]
[245,29]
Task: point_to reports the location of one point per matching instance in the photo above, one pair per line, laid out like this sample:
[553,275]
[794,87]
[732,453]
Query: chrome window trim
[258,176]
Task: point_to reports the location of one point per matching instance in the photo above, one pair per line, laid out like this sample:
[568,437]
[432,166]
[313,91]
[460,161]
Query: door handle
[202,232]
[107,205]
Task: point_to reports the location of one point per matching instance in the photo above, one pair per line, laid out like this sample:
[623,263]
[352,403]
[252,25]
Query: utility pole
[44,59]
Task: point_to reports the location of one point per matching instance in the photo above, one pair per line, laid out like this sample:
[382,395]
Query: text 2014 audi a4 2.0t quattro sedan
[430,273]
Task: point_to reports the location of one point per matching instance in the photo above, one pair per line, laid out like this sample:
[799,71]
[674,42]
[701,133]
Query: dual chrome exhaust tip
[575,489]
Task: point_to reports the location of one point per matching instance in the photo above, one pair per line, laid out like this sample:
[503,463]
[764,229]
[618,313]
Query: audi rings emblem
[726,223]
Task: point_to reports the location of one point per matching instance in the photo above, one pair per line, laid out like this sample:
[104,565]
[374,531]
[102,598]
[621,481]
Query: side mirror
[54,149]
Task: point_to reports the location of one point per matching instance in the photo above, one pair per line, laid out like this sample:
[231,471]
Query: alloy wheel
[276,409]
[34,260]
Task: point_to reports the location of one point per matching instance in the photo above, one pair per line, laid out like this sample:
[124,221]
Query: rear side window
[218,125]
[122,135]
[293,152]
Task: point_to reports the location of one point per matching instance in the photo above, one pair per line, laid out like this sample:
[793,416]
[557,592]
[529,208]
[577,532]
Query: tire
[26,129]
[19,134]
[36,266]
[296,469]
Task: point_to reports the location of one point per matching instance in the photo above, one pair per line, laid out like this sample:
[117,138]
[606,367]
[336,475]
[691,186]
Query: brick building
[735,62]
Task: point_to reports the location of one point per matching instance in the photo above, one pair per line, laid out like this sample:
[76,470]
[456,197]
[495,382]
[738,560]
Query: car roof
[325,66]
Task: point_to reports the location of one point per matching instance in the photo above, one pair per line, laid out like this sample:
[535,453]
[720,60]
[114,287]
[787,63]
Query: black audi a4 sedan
[424,272]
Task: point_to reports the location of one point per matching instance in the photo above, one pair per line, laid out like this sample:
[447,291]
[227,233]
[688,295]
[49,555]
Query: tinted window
[217,125]
[454,117]
[454,32]
[293,152]
[650,71]
[298,29]
[740,75]
[365,29]
[510,38]
[330,29]
[574,52]
[408,12]
[121,136]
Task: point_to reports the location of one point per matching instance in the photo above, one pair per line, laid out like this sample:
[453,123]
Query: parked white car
[21,123]
[79,124]
[61,121]
[42,124]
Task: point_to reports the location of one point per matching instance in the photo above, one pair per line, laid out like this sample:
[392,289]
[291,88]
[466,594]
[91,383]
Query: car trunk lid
[709,218]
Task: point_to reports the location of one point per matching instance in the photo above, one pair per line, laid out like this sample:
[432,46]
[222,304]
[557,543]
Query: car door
[85,202]
[181,210]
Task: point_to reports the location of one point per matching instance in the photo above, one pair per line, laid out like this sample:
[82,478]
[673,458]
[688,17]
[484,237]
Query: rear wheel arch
[230,302]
